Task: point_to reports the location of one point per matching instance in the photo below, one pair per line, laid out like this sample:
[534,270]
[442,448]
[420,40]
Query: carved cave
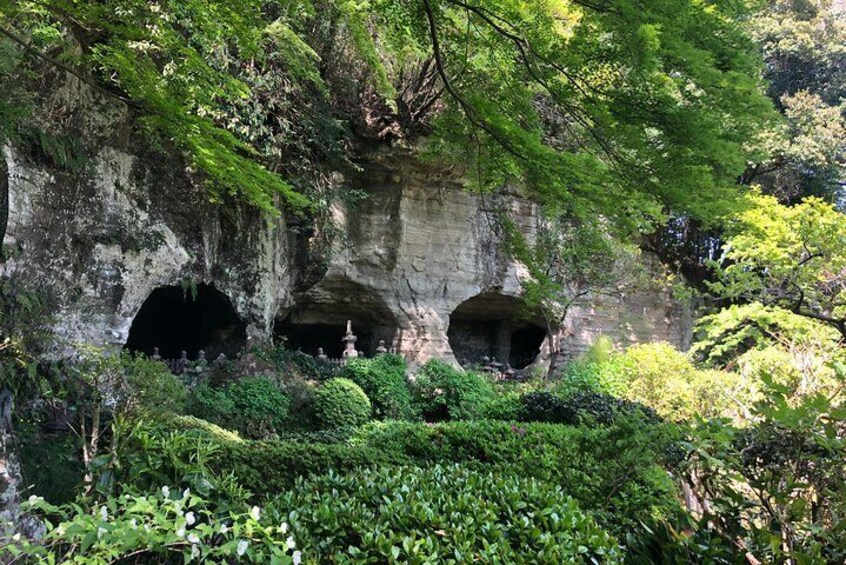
[495,325]
[176,319]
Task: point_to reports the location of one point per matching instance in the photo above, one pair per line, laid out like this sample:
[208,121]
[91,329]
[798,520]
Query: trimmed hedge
[578,408]
[341,403]
[614,471]
[382,378]
[267,468]
[254,406]
[442,392]
[439,514]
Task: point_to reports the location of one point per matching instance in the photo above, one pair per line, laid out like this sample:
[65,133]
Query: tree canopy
[622,108]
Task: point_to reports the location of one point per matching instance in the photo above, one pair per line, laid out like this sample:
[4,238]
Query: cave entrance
[175,320]
[320,319]
[496,325]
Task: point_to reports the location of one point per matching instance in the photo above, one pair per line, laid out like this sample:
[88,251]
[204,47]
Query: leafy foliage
[157,526]
[664,379]
[443,392]
[383,379]
[254,406]
[777,485]
[341,403]
[428,515]
[791,257]
[802,45]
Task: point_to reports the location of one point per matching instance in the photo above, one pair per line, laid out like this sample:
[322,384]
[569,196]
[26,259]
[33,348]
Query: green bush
[383,380]
[191,423]
[413,515]
[341,403]
[663,378]
[163,525]
[297,364]
[615,471]
[577,408]
[505,406]
[269,467]
[51,462]
[442,392]
[254,406]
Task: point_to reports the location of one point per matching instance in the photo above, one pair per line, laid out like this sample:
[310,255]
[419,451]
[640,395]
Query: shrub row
[439,514]
[616,471]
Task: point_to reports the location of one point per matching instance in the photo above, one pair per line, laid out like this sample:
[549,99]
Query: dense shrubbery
[254,406]
[160,526]
[442,392]
[383,380]
[414,515]
[613,470]
[577,408]
[340,403]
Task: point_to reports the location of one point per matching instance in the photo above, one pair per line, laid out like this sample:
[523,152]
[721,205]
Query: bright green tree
[803,43]
[617,108]
[790,257]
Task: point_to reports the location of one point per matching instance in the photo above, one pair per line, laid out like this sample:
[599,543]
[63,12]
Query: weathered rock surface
[415,249]
[102,239]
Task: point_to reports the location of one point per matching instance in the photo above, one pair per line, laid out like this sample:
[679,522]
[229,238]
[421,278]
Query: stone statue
[381,350]
[349,341]
[156,356]
[321,356]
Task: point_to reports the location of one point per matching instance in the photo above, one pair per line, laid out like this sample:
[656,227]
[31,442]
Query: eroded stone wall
[415,249]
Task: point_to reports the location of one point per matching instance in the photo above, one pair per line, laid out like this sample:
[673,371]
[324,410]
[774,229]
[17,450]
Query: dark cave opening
[495,325]
[320,317]
[526,345]
[175,320]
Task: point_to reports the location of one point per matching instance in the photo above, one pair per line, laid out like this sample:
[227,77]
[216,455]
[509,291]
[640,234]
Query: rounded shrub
[442,392]
[383,380]
[427,515]
[340,403]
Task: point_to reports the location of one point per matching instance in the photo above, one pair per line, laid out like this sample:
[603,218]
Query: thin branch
[468,109]
[68,69]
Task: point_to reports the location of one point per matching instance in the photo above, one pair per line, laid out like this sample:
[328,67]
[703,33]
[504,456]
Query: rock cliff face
[413,252]
[418,265]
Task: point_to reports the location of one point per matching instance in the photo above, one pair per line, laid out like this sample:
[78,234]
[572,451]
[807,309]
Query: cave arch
[320,316]
[175,319]
[496,325]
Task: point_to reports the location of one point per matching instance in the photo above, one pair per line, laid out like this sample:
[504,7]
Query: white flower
[16,537]
[33,499]
[223,529]
[298,557]
[255,513]
[283,529]
[133,523]
[166,491]
[290,543]
[101,532]
[186,492]
[242,547]
[190,519]
[104,513]
[195,551]
[193,538]
[180,532]
[60,531]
